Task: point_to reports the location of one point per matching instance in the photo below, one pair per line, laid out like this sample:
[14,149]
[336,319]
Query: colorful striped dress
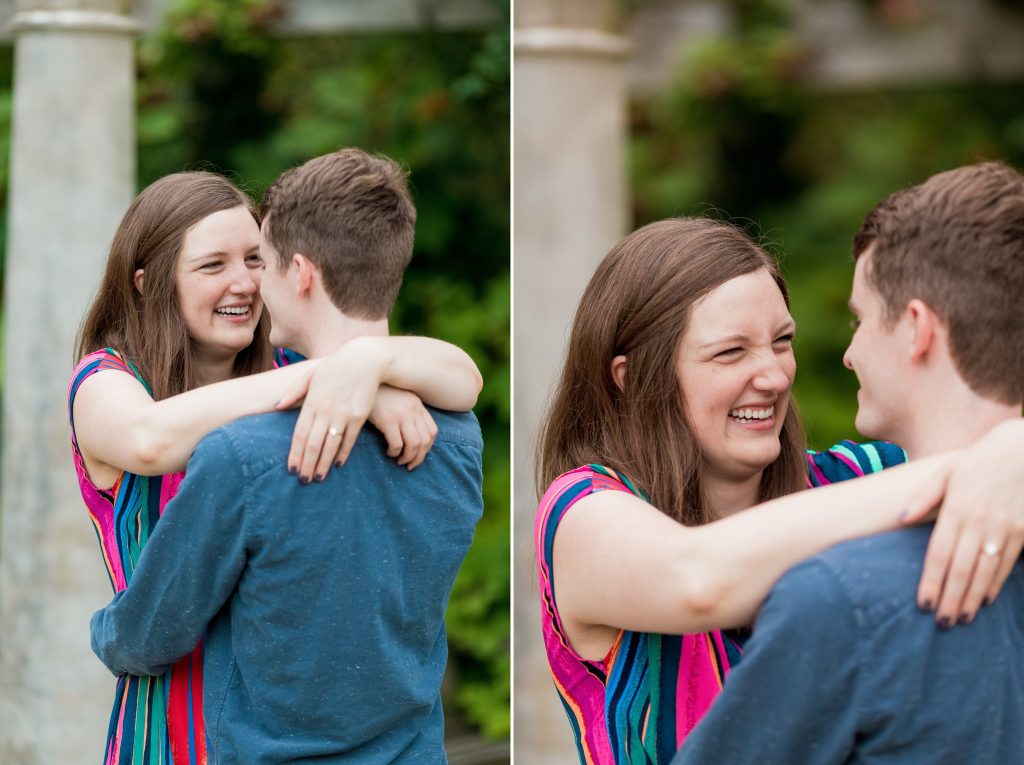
[638,703]
[155,720]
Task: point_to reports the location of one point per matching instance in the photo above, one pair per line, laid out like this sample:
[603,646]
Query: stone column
[72,177]
[570,207]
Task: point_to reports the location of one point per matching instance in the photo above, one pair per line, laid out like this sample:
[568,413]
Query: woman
[676,396]
[175,345]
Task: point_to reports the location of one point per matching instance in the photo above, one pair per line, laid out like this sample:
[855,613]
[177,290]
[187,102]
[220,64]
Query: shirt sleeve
[849,459]
[792,698]
[187,570]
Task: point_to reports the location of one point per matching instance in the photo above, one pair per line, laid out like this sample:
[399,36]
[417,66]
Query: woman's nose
[772,376]
[244,280]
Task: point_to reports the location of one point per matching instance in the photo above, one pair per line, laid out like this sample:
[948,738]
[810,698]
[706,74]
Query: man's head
[346,220]
[939,275]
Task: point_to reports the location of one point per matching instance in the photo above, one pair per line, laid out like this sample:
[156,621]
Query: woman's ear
[138,279]
[618,369]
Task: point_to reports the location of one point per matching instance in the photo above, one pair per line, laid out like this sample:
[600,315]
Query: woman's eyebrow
[724,340]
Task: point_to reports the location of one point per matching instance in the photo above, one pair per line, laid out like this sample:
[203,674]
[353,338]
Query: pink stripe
[848,462]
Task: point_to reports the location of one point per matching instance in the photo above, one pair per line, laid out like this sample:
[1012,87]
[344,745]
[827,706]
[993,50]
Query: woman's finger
[961,568]
[430,428]
[424,444]
[300,436]
[1007,561]
[312,450]
[411,439]
[984,572]
[936,561]
[349,436]
[329,453]
[393,435]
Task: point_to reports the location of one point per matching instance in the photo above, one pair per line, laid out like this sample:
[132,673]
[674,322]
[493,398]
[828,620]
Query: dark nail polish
[927,605]
[320,477]
[293,470]
[945,622]
[986,600]
[304,480]
[964,619]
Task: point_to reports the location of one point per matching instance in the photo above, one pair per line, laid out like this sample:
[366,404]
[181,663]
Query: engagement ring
[991,549]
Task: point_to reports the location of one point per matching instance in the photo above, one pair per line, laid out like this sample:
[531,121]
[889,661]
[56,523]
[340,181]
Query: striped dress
[155,720]
[638,703]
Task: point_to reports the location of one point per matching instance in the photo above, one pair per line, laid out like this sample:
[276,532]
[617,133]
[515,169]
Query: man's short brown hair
[351,214]
[956,242]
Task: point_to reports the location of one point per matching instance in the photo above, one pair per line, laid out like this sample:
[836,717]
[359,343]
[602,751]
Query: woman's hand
[339,396]
[405,423]
[979,532]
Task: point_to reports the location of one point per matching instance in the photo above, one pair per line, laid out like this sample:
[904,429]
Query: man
[325,602]
[843,666]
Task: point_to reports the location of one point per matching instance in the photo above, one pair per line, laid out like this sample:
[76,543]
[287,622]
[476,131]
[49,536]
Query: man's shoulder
[252,442]
[874,577]
[457,427]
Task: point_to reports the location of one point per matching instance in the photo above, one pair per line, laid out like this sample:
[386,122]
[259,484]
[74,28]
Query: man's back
[844,668]
[323,604]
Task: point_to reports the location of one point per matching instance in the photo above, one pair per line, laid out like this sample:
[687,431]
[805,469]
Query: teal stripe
[876,459]
[841,449]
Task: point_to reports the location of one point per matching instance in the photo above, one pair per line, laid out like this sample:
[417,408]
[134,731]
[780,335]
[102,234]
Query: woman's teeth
[750,415]
[234,311]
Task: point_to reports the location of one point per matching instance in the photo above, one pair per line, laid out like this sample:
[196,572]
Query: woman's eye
[727,354]
[211,265]
[785,339]
[254,260]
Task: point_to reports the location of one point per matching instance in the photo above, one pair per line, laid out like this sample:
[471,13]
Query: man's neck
[332,330]
[955,424]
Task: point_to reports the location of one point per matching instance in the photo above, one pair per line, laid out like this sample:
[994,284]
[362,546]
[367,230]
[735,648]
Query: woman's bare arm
[621,564]
[119,427]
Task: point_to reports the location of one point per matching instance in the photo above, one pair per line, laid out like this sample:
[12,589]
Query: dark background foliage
[217,89]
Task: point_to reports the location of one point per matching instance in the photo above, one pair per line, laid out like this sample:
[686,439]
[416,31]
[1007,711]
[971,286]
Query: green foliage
[737,136]
[216,89]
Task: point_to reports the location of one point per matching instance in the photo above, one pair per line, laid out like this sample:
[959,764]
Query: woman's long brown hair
[147,328]
[638,304]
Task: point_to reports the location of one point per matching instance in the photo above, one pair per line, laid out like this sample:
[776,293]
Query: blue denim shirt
[843,668]
[323,604]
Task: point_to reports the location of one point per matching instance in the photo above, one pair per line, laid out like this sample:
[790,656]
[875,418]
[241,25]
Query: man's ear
[306,271]
[138,279]
[618,370]
[925,327]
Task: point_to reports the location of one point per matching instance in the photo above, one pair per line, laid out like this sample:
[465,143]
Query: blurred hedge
[737,135]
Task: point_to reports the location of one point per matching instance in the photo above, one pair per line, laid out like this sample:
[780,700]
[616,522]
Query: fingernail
[945,622]
[320,476]
[964,619]
[927,605]
[304,480]
[986,600]
[293,470]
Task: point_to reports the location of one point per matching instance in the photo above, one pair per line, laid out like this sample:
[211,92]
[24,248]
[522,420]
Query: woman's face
[735,367]
[218,277]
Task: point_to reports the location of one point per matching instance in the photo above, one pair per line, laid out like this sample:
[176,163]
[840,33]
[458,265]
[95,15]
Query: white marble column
[571,205]
[72,177]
